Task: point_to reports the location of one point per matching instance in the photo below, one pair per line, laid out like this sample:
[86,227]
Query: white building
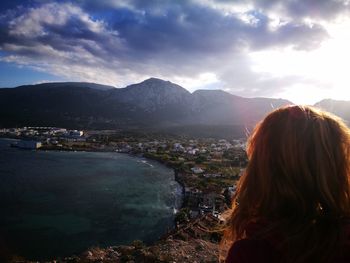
[197,170]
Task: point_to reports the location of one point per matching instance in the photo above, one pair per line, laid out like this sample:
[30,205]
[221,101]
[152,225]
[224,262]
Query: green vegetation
[183,216]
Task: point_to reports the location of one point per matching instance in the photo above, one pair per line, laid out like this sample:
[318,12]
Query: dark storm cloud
[317,9]
[200,29]
[189,26]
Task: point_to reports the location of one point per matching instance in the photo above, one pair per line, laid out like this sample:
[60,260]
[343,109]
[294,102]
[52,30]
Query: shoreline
[142,155]
[179,194]
[62,149]
[91,149]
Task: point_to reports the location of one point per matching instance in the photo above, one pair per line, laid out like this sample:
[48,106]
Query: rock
[87,254]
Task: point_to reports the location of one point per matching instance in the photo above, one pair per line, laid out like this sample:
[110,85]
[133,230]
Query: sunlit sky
[292,49]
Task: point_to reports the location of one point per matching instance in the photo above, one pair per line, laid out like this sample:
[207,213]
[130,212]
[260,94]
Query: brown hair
[297,180]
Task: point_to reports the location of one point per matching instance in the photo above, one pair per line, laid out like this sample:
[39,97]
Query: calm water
[60,203]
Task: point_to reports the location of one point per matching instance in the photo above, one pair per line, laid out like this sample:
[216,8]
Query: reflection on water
[60,203]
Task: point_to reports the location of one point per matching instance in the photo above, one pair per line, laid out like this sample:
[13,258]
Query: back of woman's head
[297,180]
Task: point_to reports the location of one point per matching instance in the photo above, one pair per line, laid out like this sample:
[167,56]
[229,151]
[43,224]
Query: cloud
[320,10]
[61,39]
[316,10]
[120,42]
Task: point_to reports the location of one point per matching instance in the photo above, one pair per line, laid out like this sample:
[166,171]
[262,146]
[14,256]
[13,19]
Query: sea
[55,204]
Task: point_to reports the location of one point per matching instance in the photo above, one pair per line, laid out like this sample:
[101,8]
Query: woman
[293,202]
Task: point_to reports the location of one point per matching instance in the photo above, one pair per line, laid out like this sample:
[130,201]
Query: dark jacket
[251,250]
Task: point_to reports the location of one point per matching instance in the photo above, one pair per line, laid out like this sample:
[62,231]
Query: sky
[292,49]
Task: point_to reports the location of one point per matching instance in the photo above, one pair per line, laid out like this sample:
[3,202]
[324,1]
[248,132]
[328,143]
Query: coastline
[175,170]
[178,194]
[177,179]
[183,235]
[99,149]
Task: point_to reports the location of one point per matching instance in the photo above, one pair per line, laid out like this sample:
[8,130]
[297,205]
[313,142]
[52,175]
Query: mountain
[218,107]
[153,104]
[153,94]
[340,108]
[65,85]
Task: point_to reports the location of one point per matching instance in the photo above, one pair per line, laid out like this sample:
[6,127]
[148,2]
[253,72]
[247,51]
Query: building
[30,145]
[76,133]
[197,170]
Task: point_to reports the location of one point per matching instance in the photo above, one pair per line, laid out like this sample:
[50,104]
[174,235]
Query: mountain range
[152,105]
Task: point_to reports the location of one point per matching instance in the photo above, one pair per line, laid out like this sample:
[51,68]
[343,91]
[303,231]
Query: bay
[55,204]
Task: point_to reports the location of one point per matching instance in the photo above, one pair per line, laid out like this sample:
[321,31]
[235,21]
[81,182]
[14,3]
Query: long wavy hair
[296,184]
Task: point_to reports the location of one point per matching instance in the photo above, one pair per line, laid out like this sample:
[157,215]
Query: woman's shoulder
[252,250]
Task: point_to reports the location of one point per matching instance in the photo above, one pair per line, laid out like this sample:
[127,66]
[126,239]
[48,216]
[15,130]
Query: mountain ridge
[153,104]
[66,85]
